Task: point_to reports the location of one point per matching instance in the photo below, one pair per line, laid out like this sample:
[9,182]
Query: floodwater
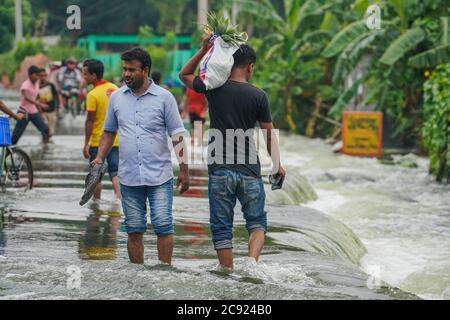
[337,220]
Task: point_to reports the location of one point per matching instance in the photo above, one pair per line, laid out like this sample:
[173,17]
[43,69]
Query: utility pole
[19,25]
[202,13]
[234,13]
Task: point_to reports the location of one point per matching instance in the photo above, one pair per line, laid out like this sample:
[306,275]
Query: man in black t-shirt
[233,164]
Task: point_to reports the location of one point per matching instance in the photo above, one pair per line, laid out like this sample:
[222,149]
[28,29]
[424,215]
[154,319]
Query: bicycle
[16,169]
[71,97]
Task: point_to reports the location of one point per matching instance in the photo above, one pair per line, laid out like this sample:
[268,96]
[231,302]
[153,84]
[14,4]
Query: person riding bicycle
[9,112]
[69,79]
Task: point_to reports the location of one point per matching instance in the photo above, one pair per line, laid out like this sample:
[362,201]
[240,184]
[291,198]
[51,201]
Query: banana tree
[408,37]
[439,54]
[293,42]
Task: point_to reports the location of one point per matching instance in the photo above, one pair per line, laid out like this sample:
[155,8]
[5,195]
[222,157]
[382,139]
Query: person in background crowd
[96,106]
[48,95]
[196,107]
[31,107]
[70,81]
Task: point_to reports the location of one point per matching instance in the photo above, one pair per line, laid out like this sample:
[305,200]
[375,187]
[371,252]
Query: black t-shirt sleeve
[199,86]
[264,114]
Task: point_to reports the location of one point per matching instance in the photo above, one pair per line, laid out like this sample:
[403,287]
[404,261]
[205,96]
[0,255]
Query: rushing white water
[44,233]
[401,215]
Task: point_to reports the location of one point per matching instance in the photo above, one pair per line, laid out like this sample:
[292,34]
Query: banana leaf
[343,38]
[431,58]
[404,43]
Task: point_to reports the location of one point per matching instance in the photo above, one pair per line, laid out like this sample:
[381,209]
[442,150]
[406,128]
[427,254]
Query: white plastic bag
[215,67]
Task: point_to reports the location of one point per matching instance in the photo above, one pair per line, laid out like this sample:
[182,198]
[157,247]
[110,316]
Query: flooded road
[358,216]
[44,247]
[400,214]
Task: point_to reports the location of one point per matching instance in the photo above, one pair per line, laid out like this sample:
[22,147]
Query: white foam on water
[22,296]
[401,214]
[328,201]
[272,272]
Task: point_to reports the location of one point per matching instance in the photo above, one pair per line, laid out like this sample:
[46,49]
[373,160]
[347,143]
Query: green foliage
[413,33]
[431,58]
[173,16]
[159,58]
[221,26]
[59,53]
[144,32]
[65,49]
[10,61]
[26,48]
[436,129]
[169,41]
[437,55]
[159,54]
[406,42]
[7,64]
[7,22]
[344,38]
[344,99]
[290,67]
[330,23]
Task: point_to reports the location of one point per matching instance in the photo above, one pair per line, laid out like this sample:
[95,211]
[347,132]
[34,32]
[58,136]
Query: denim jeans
[21,125]
[224,188]
[112,159]
[134,203]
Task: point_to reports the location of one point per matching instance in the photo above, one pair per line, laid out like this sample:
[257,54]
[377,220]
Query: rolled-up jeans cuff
[256,227]
[163,230]
[131,230]
[223,244]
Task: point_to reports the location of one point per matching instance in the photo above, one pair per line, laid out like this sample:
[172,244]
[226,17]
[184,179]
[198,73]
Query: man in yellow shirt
[96,107]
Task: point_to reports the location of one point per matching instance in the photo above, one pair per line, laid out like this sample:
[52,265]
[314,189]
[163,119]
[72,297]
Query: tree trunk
[289,110]
[310,129]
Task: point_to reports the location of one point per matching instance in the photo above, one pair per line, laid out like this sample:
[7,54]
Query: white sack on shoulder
[215,67]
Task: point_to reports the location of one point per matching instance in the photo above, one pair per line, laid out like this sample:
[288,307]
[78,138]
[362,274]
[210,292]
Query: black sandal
[93,178]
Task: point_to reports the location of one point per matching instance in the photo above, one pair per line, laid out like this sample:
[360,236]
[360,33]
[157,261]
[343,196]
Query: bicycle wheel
[73,106]
[18,169]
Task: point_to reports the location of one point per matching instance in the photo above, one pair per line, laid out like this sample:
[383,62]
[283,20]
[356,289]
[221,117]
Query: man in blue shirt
[144,114]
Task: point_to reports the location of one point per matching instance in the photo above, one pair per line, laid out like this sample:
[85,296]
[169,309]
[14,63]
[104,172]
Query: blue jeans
[112,160]
[224,188]
[21,125]
[134,203]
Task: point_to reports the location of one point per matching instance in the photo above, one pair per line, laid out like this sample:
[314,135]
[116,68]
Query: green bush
[60,52]
[26,48]
[7,64]
[436,129]
[10,61]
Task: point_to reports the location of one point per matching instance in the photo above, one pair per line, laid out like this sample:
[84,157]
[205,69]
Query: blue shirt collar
[152,89]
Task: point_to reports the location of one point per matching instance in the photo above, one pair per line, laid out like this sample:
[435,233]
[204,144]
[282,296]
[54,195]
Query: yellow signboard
[362,133]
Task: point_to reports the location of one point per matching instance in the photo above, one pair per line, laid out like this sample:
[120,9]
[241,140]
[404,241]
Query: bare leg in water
[255,245]
[165,249]
[136,247]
